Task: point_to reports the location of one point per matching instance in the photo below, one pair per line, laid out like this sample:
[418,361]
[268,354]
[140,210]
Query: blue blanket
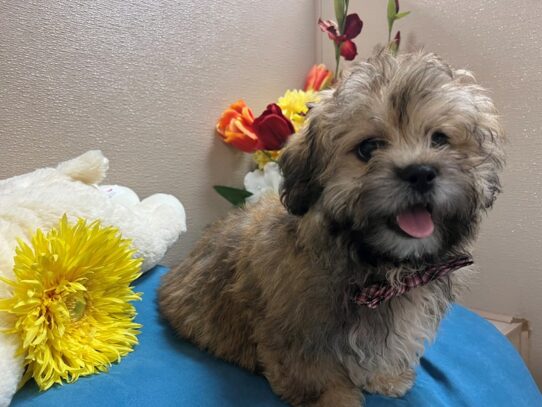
[470,364]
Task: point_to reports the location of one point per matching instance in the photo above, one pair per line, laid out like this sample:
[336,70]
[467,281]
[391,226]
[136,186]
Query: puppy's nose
[420,177]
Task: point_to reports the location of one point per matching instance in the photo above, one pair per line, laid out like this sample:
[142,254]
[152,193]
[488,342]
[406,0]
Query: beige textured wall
[501,42]
[145,81]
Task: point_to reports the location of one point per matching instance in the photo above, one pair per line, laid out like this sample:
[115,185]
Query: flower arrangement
[71,301]
[265,136]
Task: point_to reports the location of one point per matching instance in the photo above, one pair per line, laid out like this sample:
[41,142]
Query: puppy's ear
[300,188]
[491,138]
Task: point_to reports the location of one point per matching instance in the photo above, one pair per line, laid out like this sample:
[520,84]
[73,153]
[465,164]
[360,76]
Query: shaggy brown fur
[269,288]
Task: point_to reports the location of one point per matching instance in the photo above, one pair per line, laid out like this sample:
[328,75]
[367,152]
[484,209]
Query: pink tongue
[416,222]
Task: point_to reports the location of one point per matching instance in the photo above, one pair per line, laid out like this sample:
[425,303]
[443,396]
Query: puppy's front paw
[392,386]
[339,396]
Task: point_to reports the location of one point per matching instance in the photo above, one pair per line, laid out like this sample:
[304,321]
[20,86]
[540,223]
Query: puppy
[334,288]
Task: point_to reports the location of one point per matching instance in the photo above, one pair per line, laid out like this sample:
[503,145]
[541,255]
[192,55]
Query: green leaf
[235,196]
[340,13]
[401,15]
[391,13]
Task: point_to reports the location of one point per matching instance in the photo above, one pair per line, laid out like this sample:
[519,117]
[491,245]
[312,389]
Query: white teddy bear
[40,198]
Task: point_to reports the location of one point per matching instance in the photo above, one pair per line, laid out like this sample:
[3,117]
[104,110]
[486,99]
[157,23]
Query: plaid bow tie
[373,295]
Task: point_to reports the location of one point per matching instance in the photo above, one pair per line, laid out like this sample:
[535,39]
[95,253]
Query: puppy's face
[405,152]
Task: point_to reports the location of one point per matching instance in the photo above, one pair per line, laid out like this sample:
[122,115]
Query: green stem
[337,60]
[341,20]
[390,28]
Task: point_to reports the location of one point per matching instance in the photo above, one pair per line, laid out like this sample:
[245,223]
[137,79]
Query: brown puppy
[390,175]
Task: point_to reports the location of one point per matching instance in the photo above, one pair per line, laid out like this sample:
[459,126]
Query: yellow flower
[262,157]
[294,105]
[71,301]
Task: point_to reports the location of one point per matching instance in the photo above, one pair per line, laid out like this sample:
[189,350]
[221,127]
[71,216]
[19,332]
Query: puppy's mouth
[415,221]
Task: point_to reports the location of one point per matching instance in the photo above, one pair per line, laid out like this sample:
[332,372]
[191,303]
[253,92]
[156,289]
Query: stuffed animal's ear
[299,163]
[89,168]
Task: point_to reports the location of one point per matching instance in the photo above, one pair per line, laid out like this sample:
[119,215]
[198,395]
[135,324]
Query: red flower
[272,128]
[352,28]
[348,50]
[318,78]
[395,43]
[397,38]
[329,27]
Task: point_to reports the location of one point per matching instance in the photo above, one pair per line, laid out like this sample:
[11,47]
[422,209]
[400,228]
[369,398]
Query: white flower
[260,182]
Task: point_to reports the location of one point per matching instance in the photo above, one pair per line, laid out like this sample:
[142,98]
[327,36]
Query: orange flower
[235,126]
[318,78]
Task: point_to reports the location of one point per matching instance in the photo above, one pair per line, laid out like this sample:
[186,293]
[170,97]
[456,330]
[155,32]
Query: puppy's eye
[439,139]
[368,147]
